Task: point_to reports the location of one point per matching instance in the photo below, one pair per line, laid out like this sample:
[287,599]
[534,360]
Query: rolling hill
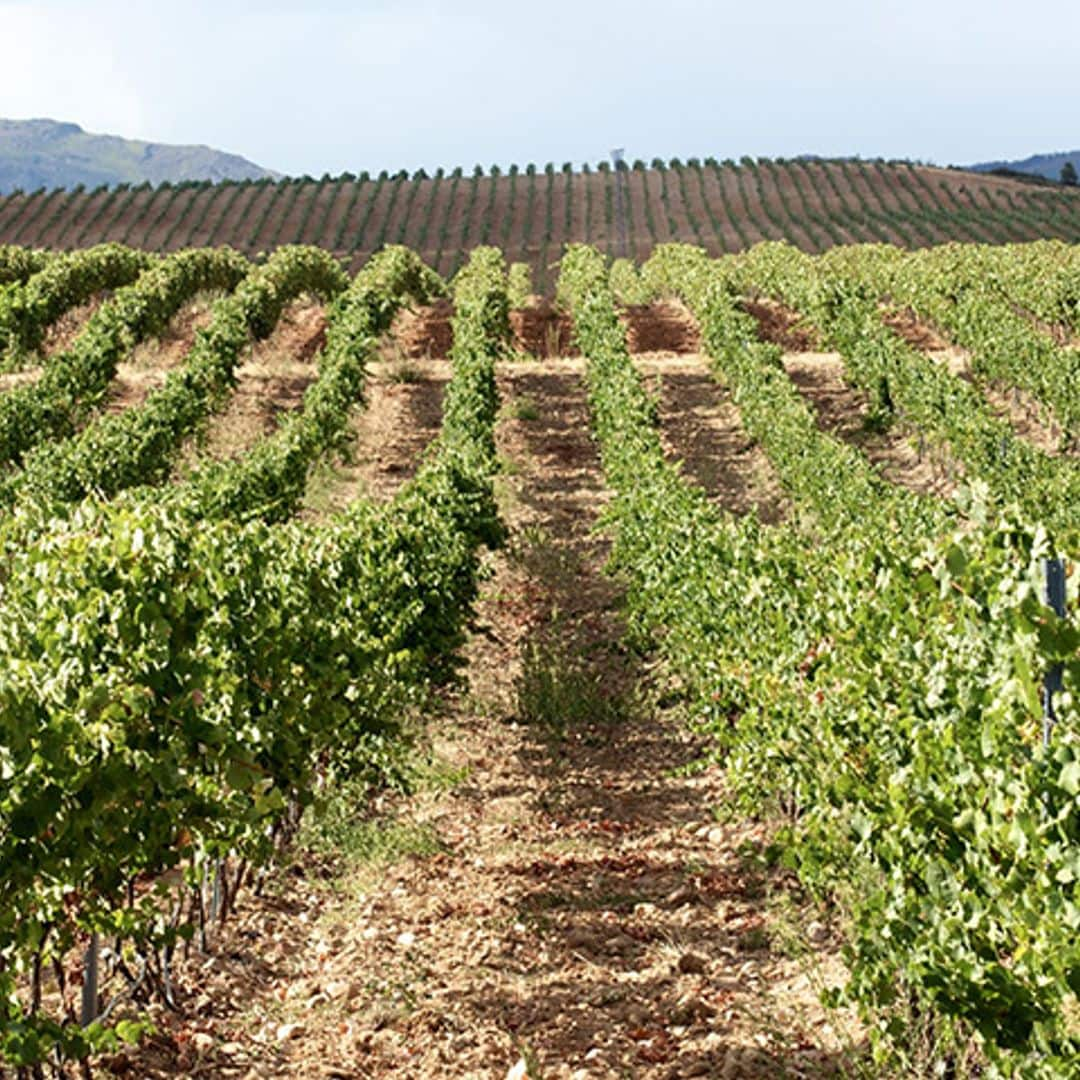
[532,212]
[45,153]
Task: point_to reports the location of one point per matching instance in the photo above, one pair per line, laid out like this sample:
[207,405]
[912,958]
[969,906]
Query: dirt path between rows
[1029,420]
[400,418]
[1025,415]
[270,382]
[563,900]
[700,427]
[843,411]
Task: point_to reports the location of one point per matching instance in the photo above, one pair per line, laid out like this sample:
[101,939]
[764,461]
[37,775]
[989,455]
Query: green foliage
[269,481]
[75,381]
[174,685]
[184,668]
[971,292]
[63,282]
[139,445]
[840,294]
[556,691]
[19,263]
[876,678]
[519,284]
[626,283]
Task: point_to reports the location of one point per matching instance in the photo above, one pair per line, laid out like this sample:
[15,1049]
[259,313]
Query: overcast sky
[334,86]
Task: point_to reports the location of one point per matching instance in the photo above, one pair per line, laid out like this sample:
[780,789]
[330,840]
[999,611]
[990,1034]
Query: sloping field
[532,213]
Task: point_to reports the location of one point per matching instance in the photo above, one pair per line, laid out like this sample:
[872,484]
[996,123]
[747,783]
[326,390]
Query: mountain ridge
[44,153]
[1047,166]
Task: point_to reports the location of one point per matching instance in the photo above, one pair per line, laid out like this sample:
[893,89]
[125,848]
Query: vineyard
[730,585]
[532,212]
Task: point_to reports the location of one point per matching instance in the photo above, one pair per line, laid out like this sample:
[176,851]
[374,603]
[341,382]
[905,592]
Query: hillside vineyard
[198,635]
[532,212]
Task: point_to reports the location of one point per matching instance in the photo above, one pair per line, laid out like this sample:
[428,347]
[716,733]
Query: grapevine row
[174,727]
[881,692]
[74,382]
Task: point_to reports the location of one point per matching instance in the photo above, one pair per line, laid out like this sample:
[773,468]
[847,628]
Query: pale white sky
[327,87]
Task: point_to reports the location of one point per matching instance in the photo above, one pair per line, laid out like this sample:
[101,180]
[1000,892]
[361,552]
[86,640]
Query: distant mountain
[1047,166]
[45,153]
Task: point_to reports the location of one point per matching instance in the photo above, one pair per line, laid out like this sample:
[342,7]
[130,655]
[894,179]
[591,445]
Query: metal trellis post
[1052,683]
[91,968]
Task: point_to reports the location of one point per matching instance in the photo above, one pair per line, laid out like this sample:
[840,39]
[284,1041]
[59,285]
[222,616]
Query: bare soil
[711,184]
[413,201]
[848,204]
[880,199]
[518,211]
[892,198]
[60,335]
[157,232]
[321,206]
[342,197]
[701,428]
[424,332]
[653,188]
[126,224]
[170,349]
[560,192]
[148,364]
[640,241]
[781,326]
[401,416]
[238,217]
[269,383]
[661,327]
[680,217]
[255,408]
[820,198]
[1062,334]
[455,224]
[1028,419]
[799,233]
[201,233]
[913,330]
[50,230]
[11,209]
[597,227]
[715,241]
[915,200]
[131,386]
[303,210]
[542,330]
[579,223]
[749,214]
[566,896]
